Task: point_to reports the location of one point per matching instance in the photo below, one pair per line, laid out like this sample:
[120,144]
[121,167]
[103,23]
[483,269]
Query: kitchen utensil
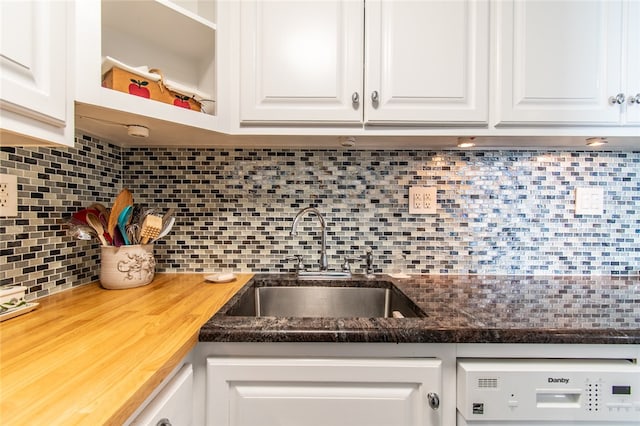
[133,232]
[81,232]
[118,241]
[104,220]
[135,224]
[80,217]
[123,220]
[123,199]
[168,214]
[94,222]
[151,227]
[136,214]
[166,228]
[101,208]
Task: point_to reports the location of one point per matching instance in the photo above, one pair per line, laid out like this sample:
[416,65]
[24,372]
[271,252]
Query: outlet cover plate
[422,200]
[8,195]
[590,201]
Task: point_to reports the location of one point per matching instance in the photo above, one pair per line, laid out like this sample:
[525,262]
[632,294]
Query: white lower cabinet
[172,405]
[274,391]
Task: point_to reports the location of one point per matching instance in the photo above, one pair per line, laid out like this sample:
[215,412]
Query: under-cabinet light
[596,141]
[466,142]
[134,130]
[137,131]
[348,141]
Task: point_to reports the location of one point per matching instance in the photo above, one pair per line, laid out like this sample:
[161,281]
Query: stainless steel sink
[341,300]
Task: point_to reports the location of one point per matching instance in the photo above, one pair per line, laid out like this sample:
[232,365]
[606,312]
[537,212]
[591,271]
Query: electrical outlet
[8,196]
[429,200]
[422,200]
[590,201]
[417,200]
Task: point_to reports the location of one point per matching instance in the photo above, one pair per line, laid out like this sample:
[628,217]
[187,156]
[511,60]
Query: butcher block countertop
[90,356]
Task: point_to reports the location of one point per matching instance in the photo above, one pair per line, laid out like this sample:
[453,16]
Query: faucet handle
[368,256]
[346,266]
[299,265]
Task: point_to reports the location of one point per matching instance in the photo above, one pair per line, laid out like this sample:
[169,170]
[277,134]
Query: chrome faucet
[323,251]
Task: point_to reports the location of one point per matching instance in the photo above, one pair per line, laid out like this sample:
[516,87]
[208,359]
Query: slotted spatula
[151,227]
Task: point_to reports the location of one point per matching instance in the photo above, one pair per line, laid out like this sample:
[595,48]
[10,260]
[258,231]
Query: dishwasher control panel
[548,390]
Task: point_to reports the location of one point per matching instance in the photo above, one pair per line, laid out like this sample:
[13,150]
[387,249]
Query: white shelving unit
[178,38]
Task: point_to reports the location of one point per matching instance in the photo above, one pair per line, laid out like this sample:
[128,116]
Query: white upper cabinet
[301,61]
[424,62]
[562,62]
[34,98]
[632,70]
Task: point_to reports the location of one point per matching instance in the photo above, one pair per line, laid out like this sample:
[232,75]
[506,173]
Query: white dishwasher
[541,392]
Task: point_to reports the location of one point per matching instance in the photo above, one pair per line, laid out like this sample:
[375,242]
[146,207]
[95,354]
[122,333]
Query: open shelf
[176,37]
[161,35]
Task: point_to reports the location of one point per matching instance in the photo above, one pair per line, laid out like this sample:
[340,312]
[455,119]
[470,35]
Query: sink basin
[337,299]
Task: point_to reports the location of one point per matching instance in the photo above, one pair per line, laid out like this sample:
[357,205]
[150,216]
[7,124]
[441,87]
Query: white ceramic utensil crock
[127,266]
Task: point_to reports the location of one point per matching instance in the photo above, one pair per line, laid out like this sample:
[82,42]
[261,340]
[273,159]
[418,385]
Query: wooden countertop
[90,356]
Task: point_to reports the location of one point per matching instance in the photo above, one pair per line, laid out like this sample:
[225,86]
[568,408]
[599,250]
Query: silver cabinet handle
[634,99]
[617,99]
[434,400]
[374,96]
[355,98]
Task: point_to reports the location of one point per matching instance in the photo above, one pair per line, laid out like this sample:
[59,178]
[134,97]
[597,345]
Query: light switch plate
[8,196]
[590,201]
[422,200]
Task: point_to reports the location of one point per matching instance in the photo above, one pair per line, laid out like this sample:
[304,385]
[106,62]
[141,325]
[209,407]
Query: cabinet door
[173,403]
[322,392]
[427,62]
[632,69]
[559,61]
[301,61]
[33,60]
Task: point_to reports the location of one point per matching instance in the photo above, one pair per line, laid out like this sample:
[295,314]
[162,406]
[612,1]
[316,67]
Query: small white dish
[400,275]
[220,278]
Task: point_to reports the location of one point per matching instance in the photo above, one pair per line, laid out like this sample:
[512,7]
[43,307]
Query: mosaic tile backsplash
[53,183]
[499,212]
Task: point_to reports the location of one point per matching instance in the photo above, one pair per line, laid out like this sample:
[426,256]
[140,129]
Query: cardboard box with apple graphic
[134,84]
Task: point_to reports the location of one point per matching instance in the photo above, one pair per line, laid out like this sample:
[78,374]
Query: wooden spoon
[80,217]
[100,207]
[123,200]
[94,222]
